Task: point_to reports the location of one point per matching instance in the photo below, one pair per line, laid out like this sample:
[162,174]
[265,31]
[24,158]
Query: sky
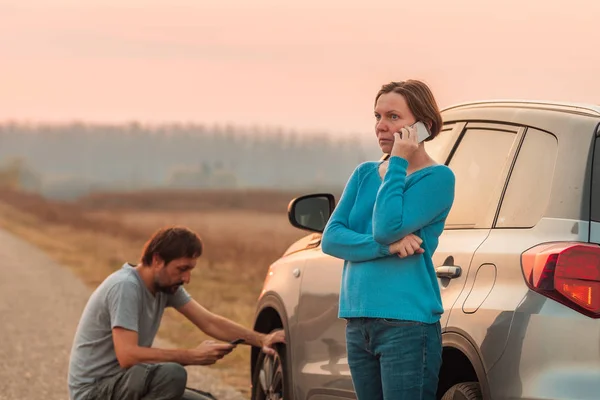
[311,65]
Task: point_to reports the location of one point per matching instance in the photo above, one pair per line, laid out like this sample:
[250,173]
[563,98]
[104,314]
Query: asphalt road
[40,305]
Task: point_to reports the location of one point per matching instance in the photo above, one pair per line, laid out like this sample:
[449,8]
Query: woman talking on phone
[386,227]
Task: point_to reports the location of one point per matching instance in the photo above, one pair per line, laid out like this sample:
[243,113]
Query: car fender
[268,304]
[461,341]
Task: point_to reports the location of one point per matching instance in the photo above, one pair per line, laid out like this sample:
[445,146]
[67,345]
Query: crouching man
[112,357]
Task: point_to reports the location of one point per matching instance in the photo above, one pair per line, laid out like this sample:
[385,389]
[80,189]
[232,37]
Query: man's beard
[170,289]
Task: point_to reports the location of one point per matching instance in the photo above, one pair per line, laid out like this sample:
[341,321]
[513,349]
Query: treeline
[72,159]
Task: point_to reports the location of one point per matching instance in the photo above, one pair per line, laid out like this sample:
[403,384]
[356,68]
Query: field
[243,232]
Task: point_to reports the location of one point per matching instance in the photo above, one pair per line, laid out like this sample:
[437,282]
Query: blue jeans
[393,359]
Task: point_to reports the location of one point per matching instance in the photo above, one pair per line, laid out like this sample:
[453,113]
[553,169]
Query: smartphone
[422,131]
[237,341]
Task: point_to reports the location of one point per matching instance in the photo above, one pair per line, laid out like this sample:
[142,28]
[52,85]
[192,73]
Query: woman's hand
[407,246]
[405,143]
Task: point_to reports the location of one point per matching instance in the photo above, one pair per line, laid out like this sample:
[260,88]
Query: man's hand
[269,341]
[407,246]
[209,352]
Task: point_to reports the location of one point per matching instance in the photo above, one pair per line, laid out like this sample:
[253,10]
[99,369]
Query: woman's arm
[342,242]
[399,212]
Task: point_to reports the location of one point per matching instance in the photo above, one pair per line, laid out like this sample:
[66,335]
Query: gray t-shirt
[121,300]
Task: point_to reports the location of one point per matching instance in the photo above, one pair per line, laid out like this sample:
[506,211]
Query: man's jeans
[393,359]
[165,381]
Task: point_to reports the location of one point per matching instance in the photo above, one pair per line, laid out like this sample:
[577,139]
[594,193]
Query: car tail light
[566,272]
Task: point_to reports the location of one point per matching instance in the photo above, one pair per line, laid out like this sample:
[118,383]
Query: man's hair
[420,100]
[172,243]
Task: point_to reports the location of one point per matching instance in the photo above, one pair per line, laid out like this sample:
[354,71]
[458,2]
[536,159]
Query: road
[40,305]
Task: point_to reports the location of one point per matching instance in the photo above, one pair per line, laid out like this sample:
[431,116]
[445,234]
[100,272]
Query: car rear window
[595,196]
[528,191]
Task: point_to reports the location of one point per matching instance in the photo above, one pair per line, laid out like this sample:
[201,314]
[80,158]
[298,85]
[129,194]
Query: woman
[386,228]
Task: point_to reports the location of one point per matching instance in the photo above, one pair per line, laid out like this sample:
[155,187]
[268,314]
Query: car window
[479,164]
[595,201]
[528,191]
[437,148]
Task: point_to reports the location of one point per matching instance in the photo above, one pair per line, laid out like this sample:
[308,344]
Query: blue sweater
[372,214]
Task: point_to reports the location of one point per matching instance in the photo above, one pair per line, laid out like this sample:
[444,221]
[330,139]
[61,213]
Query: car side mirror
[311,212]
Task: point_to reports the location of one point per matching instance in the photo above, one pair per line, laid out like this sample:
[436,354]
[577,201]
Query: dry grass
[243,233]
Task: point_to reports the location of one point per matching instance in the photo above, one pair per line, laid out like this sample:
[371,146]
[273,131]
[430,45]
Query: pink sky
[312,65]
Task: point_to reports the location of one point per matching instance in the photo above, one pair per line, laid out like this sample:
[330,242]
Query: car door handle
[448,271]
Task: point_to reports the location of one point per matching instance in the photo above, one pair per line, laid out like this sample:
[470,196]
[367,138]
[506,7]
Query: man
[112,358]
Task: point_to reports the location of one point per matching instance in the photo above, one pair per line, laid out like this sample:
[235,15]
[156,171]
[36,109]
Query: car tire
[270,380]
[464,391]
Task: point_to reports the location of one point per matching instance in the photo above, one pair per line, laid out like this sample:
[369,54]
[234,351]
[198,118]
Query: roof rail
[567,106]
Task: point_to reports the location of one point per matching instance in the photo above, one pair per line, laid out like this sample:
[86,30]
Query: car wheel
[270,380]
[464,391]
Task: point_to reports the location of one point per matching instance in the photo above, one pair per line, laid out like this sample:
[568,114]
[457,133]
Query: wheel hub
[271,378]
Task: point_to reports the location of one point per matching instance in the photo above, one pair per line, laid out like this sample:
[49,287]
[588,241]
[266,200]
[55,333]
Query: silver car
[518,266]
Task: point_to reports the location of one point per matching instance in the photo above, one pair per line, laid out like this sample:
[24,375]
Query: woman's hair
[420,101]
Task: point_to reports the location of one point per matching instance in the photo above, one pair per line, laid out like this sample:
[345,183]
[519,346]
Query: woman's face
[391,115]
